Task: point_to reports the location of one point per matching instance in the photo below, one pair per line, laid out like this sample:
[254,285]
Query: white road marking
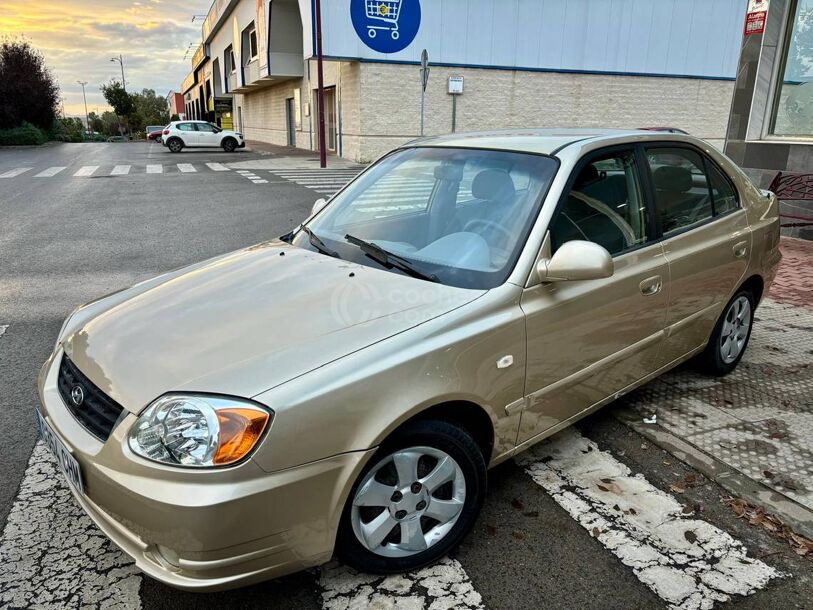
[15,172]
[51,553]
[155,169]
[217,167]
[260,181]
[86,170]
[3,329]
[51,171]
[442,586]
[120,170]
[186,168]
[687,562]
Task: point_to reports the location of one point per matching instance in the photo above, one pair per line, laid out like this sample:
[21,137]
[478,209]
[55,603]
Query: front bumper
[242,144]
[204,530]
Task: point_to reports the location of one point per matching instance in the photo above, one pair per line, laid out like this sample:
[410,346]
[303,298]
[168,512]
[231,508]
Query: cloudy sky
[78,38]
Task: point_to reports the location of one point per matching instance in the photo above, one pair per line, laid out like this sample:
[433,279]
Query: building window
[793,106]
[232,65]
[252,42]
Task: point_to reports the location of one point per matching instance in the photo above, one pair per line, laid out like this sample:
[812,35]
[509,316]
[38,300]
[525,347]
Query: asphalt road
[66,239]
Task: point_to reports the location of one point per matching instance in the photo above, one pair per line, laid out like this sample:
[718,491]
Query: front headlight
[198,430]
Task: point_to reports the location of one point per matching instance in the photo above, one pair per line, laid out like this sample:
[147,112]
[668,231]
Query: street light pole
[87,120]
[320,91]
[120,60]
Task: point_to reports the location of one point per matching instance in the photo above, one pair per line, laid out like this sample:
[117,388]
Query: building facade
[771,126]
[493,64]
[175,103]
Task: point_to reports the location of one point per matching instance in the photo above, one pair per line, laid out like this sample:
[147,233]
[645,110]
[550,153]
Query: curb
[798,517]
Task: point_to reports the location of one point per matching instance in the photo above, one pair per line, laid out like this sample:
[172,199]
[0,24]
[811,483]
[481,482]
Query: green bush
[25,134]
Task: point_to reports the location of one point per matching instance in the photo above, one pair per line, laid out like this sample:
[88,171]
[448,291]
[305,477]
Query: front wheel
[229,145]
[416,500]
[730,336]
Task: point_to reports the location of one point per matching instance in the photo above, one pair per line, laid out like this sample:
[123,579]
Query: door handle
[651,285]
[740,249]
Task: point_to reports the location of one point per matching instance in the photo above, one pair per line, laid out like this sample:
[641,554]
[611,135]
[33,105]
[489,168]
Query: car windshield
[457,216]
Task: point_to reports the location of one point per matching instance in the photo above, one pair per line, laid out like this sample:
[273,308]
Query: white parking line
[186,168]
[3,329]
[51,171]
[442,586]
[120,170]
[15,172]
[217,167]
[86,170]
[51,553]
[155,169]
[686,561]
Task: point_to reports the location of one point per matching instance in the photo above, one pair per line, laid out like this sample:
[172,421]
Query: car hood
[245,322]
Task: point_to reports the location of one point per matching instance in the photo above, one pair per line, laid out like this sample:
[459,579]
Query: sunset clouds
[79,37]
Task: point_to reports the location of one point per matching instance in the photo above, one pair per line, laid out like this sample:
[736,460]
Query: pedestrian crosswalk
[15,172]
[323,181]
[50,172]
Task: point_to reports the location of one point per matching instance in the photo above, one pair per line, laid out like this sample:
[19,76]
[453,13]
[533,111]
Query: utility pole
[320,91]
[87,120]
[120,60]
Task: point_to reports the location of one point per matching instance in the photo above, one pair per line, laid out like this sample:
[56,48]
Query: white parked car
[193,134]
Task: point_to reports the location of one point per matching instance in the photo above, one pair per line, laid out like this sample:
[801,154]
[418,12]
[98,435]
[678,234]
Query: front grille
[96,412]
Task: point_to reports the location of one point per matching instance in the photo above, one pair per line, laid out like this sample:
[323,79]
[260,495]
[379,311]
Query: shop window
[793,103]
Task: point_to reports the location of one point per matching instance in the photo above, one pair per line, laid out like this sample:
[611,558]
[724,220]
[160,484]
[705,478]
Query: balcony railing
[251,72]
[233,82]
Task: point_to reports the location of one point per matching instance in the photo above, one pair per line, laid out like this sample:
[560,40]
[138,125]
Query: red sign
[755,17]
[755,23]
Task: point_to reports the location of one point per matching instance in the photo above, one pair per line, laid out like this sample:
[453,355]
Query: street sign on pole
[424,82]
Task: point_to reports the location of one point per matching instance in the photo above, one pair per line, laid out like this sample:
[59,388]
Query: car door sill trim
[690,319]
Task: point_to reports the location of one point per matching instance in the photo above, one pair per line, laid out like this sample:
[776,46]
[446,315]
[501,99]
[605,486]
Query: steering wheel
[490,224]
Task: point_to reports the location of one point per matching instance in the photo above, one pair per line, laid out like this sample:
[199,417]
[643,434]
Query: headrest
[493,184]
[587,176]
[672,178]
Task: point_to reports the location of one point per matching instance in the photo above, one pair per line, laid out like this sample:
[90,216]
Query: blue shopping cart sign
[386,26]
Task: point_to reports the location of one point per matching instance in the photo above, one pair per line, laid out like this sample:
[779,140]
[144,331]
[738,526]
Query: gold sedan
[343,389]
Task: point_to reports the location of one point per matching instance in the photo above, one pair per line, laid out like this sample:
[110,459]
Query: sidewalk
[754,427]
[289,157]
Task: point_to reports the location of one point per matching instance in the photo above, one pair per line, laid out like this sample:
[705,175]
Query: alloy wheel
[734,334]
[408,502]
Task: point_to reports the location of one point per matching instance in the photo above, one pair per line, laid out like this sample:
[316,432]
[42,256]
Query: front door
[330,119]
[290,121]
[706,240]
[207,135]
[590,339]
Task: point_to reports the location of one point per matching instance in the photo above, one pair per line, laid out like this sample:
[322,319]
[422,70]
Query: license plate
[67,463]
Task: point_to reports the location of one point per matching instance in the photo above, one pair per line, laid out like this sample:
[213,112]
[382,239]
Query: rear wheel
[229,145]
[417,499]
[730,336]
[175,145]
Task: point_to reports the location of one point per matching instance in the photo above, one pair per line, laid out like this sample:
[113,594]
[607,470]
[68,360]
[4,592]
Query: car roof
[545,141]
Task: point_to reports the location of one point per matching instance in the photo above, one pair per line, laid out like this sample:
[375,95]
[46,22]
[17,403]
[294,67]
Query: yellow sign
[383,10]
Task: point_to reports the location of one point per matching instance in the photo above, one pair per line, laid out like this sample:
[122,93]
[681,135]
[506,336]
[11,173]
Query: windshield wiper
[388,259]
[318,243]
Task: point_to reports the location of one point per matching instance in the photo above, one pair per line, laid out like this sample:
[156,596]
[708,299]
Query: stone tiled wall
[390,99]
[380,104]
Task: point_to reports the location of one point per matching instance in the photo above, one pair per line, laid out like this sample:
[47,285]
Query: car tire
[175,145]
[229,145]
[434,441]
[730,336]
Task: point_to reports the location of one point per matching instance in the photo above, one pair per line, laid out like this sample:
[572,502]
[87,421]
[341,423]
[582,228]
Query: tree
[111,124]
[95,123]
[121,101]
[28,91]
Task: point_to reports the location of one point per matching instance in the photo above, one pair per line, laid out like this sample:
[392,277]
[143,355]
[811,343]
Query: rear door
[706,239]
[188,134]
[588,340]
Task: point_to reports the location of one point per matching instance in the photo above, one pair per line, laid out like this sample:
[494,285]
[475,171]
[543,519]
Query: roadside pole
[424,81]
[320,92]
[87,120]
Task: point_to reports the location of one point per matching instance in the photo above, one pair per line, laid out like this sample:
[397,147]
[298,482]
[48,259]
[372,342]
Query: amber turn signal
[240,429]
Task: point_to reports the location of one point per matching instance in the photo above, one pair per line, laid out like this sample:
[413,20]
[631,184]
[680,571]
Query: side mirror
[318,205]
[576,260]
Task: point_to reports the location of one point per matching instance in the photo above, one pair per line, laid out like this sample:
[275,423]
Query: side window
[723,195]
[186,127]
[604,205]
[205,127]
[682,195]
